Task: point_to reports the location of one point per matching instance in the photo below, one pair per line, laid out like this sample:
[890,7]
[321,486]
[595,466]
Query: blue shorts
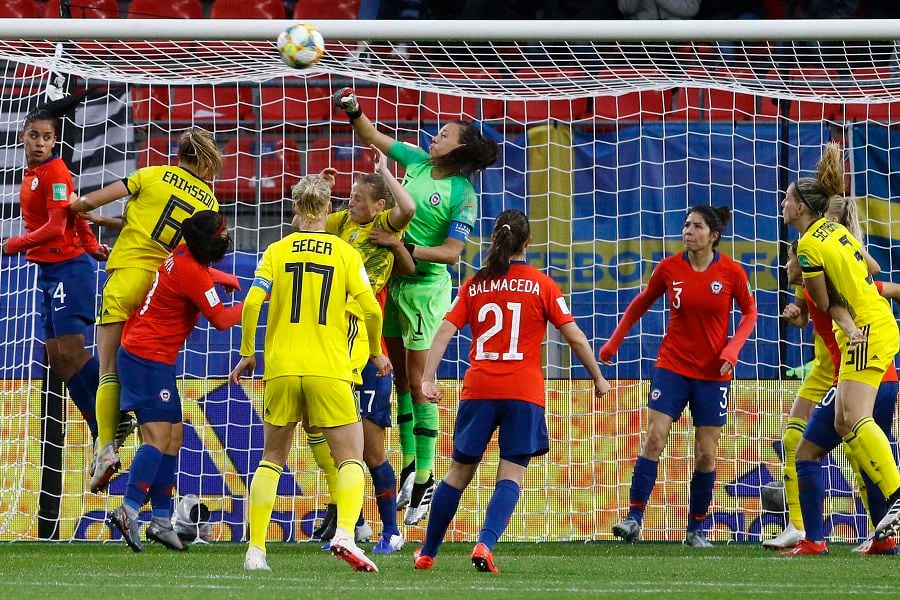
[68,296]
[708,400]
[148,389]
[523,430]
[820,428]
[374,396]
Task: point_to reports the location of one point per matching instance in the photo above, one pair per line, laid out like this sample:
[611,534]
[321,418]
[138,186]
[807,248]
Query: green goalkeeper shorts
[414,310]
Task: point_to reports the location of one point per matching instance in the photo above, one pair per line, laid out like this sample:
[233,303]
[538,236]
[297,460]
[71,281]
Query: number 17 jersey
[508,316]
[309,276]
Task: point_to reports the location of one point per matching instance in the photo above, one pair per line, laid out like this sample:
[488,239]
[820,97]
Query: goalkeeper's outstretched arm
[345,100]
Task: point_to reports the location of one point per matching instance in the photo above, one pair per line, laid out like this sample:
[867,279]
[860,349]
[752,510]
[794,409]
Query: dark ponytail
[475,154]
[716,217]
[511,233]
[202,232]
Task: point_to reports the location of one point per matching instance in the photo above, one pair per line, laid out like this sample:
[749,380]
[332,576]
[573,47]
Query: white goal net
[604,144]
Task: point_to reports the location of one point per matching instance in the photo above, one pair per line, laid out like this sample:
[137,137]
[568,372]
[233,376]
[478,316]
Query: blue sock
[499,510]
[384,481]
[701,496]
[163,487]
[642,481]
[811,482]
[143,471]
[878,504]
[443,507]
[82,388]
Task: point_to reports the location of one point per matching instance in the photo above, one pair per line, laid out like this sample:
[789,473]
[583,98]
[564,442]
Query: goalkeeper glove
[345,100]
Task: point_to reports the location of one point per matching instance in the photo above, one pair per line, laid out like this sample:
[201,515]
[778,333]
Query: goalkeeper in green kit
[446,209]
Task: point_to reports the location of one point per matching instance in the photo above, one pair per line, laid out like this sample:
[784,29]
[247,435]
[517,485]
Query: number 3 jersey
[700,305]
[161,199]
[508,317]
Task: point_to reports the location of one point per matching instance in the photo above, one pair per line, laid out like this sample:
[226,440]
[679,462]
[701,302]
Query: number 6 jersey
[508,317]
[161,199]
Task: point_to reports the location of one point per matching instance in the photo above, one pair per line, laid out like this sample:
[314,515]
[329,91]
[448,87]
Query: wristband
[410,248]
[353,115]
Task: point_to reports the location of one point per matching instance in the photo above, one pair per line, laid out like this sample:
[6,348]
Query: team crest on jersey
[165,395]
[435,199]
[655,394]
[353,236]
[715,287]
[34,184]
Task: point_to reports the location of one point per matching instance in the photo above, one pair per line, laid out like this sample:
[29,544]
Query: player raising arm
[59,244]
[446,210]
[183,288]
[308,276]
[160,199]
[508,305]
[695,363]
[830,256]
[379,208]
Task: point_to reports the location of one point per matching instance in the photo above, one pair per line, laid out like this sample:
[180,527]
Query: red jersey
[824,327]
[700,305]
[183,289]
[508,317]
[54,233]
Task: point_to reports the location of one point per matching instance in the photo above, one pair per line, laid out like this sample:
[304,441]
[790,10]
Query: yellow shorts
[818,381]
[320,401]
[359,347]
[123,293]
[868,361]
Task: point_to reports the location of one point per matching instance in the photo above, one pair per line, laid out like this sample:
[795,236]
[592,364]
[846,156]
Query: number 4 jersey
[508,317]
[161,199]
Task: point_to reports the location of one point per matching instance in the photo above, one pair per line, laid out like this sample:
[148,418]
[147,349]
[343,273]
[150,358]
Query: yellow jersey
[829,248]
[161,199]
[308,276]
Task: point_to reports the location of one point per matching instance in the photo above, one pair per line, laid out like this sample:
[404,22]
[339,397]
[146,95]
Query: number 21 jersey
[508,317]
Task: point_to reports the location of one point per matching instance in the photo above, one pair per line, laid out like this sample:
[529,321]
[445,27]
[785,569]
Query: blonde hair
[847,213]
[816,192]
[311,196]
[197,147]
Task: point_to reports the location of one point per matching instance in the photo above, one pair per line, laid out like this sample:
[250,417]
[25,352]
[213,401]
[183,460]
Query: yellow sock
[872,451]
[107,409]
[857,475]
[322,454]
[348,494]
[262,498]
[793,433]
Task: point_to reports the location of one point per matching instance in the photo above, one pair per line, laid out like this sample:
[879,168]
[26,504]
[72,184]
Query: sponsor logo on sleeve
[60,192]
[211,296]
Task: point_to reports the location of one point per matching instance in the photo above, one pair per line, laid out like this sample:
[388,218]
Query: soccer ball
[300,46]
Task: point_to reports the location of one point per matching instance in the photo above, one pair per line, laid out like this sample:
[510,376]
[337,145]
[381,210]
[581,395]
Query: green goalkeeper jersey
[444,207]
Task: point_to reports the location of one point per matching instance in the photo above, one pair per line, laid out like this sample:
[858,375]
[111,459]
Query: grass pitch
[96,571]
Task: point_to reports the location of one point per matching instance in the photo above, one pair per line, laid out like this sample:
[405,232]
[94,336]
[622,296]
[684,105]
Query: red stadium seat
[242,9]
[802,110]
[149,104]
[696,104]
[212,104]
[169,9]
[86,9]
[295,106]
[445,107]
[19,9]
[648,105]
[888,112]
[158,150]
[344,155]
[326,9]
[278,163]
[532,111]
[385,103]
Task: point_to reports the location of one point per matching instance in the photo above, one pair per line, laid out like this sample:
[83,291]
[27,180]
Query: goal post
[607,134]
